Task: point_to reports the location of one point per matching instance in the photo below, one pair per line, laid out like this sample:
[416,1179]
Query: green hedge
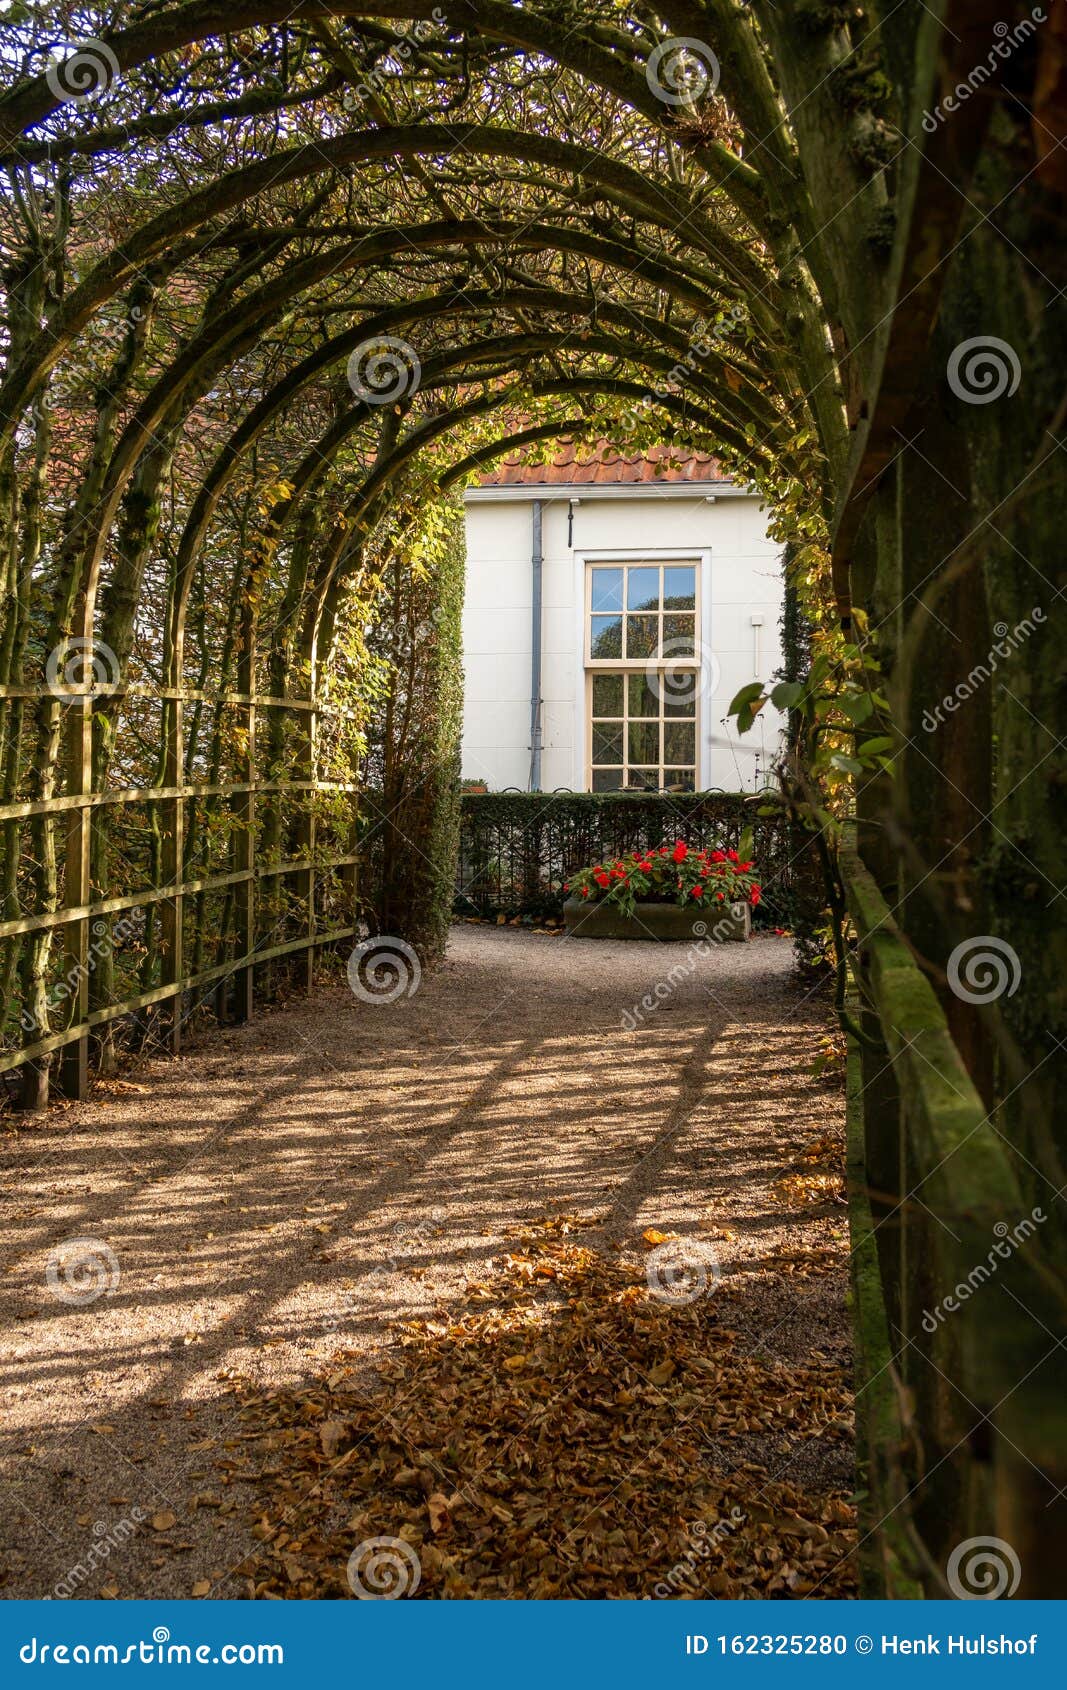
[518,848]
[409,813]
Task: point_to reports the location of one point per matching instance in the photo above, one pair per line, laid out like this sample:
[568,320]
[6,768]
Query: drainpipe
[757,660]
[535,652]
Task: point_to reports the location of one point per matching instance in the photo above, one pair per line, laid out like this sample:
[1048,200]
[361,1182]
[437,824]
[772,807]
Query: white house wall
[741,580]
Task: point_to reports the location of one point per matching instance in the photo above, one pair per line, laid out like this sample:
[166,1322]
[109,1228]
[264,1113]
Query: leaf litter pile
[819,1176]
[569,1434]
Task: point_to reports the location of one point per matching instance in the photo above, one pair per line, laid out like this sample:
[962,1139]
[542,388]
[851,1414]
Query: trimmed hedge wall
[409,814]
[518,848]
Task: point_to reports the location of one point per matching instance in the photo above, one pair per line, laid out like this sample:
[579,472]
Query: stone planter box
[588,920]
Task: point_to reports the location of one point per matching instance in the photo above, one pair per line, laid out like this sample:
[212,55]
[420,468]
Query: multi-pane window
[643,676]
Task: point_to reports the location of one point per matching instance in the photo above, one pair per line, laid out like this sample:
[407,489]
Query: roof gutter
[699,491]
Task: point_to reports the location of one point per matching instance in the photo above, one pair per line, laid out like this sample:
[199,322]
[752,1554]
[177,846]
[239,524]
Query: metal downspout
[535,652]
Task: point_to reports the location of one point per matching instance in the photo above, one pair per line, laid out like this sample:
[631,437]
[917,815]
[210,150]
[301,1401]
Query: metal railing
[518,848]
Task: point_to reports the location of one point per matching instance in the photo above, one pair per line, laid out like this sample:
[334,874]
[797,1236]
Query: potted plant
[669,892]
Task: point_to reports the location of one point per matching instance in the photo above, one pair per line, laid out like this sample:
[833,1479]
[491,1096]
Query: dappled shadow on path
[295,1187]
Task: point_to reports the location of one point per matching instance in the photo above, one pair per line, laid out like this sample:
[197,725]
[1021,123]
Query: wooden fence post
[173,862]
[350,873]
[74,1062]
[307,833]
[245,810]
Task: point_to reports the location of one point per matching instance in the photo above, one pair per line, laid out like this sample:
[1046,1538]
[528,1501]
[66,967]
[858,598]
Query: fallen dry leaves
[820,1175]
[568,1435]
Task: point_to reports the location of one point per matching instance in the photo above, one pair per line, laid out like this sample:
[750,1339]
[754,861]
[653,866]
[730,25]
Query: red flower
[732,856]
[680,852]
[719,896]
[698,891]
[755,896]
[718,856]
[744,867]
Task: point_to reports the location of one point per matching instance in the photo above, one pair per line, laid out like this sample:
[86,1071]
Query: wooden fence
[265,923]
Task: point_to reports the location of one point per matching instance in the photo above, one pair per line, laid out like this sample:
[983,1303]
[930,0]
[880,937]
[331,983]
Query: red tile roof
[580,464]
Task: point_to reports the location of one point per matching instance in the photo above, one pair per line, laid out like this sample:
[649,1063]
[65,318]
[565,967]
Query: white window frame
[699,555]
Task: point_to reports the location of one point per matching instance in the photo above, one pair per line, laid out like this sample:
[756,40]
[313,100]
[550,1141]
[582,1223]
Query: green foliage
[410,821]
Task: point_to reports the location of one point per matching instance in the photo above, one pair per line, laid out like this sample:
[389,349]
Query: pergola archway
[278,278]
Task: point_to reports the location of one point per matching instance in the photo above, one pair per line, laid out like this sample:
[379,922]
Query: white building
[611,615]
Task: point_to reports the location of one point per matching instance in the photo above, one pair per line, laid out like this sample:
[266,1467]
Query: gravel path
[299,1183]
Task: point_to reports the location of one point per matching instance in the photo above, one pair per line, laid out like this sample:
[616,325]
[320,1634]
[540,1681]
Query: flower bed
[670,874]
